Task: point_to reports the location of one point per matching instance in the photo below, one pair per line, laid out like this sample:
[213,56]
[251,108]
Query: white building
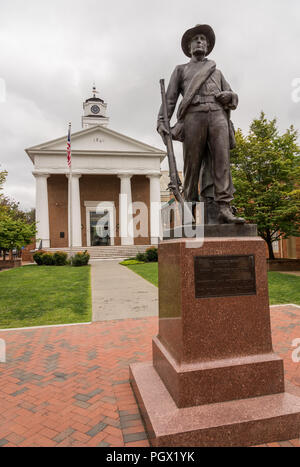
[105,165]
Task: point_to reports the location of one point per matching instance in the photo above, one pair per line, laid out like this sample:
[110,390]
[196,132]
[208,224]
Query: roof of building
[94,99]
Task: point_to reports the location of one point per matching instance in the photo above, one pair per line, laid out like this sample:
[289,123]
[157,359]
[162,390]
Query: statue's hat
[198,29]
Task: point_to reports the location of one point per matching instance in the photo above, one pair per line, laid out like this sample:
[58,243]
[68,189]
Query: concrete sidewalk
[119,293]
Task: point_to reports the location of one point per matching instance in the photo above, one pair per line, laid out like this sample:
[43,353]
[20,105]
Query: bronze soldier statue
[203,125]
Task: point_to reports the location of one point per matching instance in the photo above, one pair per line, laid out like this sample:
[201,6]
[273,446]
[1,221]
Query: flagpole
[70,194]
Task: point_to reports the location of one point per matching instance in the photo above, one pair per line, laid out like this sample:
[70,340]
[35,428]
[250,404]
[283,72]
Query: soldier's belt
[204,100]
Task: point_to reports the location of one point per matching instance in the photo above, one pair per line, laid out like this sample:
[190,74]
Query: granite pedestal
[214,379]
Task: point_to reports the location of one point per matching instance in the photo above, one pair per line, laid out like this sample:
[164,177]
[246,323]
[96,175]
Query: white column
[76,211]
[125,210]
[42,210]
[155,217]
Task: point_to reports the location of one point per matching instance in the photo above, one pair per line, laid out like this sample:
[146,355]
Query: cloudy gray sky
[52,51]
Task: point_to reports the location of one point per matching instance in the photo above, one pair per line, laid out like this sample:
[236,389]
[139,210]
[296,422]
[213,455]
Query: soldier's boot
[226,215]
[211,211]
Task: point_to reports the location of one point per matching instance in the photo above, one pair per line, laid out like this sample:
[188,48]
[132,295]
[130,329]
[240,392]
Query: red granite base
[214,380]
[243,422]
[206,382]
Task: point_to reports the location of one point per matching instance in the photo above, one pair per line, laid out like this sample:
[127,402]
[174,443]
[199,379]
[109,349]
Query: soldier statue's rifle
[175,185]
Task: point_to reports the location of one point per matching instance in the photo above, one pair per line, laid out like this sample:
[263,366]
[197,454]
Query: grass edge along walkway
[283,288]
[148,271]
[45,295]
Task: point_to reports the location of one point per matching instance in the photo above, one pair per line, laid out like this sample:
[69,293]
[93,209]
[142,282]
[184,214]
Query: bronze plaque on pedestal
[224,276]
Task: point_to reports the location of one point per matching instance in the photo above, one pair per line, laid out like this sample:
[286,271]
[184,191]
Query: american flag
[69,160]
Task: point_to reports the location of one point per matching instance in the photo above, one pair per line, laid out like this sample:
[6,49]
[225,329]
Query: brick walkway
[68,386]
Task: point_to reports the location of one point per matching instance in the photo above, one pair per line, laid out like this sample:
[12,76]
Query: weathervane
[95,90]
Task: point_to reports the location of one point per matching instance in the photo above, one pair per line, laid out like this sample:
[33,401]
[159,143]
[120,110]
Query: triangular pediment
[98,139]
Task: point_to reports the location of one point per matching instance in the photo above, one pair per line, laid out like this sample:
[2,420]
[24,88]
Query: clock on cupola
[94,111]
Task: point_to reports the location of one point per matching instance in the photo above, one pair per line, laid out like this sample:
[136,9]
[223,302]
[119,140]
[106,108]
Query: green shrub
[127,262]
[60,258]
[38,257]
[141,257]
[47,259]
[80,259]
[152,255]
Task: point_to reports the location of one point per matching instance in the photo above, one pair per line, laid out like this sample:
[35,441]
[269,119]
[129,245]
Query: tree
[17,228]
[3,175]
[12,207]
[266,174]
[15,233]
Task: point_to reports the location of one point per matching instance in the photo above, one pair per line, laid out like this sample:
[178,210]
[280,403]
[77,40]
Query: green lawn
[148,271]
[283,288]
[41,295]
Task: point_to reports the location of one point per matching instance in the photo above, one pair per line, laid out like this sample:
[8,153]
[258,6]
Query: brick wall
[285,250]
[92,188]
[26,255]
[58,210]
[298,247]
[140,186]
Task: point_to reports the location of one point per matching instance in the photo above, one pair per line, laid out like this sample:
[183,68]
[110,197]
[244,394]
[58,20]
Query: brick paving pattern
[68,386]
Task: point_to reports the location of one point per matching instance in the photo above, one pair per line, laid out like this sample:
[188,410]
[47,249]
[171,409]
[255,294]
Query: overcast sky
[52,51]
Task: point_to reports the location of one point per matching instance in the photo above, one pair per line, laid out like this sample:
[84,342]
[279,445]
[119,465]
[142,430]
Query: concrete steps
[107,252]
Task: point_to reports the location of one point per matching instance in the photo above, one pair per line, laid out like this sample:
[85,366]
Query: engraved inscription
[224,276]
[98,140]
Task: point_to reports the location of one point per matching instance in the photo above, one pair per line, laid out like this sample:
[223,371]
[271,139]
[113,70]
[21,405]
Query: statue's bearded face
[199,45]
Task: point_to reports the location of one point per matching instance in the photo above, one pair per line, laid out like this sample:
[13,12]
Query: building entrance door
[100,228]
